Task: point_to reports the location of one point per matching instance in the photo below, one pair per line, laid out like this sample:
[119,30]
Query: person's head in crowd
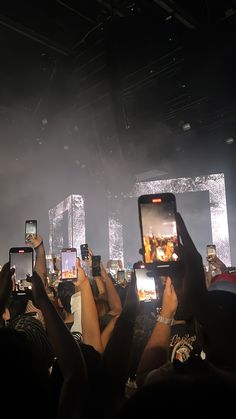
[24,378]
[203,393]
[36,335]
[65,290]
[219,329]
[6,287]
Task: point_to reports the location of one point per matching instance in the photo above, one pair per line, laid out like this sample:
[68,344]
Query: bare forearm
[156,352]
[112,295]
[89,317]
[40,262]
[100,285]
[65,348]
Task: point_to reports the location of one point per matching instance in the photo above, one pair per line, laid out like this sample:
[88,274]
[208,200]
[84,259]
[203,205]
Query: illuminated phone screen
[30,229]
[146,286]
[22,262]
[84,251]
[121,277]
[211,250]
[68,264]
[159,229]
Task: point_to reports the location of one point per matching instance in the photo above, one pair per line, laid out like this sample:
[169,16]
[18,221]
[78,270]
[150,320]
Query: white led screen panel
[73,205]
[214,184]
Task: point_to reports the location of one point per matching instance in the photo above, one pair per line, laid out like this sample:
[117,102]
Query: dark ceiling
[167,65]
[99,91]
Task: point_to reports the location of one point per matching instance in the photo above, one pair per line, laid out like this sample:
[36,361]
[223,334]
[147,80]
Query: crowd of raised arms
[89,348]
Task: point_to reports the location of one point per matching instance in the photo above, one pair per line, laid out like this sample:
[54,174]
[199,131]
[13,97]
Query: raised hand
[195,285]
[169,301]
[35,242]
[38,290]
[6,286]
[81,275]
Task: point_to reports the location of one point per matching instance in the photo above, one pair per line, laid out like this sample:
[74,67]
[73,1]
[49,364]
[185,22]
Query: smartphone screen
[146,285]
[121,277]
[21,259]
[30,230]
[211,251]
[68,263]
[96,270]
[158,228]
[84,251]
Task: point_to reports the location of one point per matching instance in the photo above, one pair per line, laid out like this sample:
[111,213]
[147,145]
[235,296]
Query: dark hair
[36,335]
[65,290]
[23,376]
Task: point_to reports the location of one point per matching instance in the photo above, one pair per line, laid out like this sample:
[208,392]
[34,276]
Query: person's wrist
[38,246]
[165,320]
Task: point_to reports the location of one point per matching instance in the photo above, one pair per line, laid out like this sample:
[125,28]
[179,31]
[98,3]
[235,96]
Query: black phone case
[96,270]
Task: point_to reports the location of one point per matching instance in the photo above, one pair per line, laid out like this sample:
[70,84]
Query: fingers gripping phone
[21,259]
[30,230]
[69,263]
[84,251]
[96,269]
[157,217]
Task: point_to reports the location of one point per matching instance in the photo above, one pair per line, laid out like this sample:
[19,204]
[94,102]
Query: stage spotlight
[229,140]
[186,126]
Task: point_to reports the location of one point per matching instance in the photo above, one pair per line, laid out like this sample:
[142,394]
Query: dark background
[96,92]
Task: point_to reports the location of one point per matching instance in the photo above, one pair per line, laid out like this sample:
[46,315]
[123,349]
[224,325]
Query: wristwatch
[165,320]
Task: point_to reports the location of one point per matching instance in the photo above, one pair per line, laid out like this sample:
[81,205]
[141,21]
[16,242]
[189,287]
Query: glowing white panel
[74,204]
[115,238]
[215,184]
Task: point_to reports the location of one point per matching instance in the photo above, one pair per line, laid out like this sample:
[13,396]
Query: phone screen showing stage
[22,262]
[30,230]
[68,264]
[146,285]
[159,230]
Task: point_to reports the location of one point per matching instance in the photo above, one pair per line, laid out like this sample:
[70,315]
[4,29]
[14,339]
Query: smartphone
[120,277]
[146,284]
[211,251]
[157,217]
[30,230]
[96,269]
[21,259]
[84,251]
[69,263]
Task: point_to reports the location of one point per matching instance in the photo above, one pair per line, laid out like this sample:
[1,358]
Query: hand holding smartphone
[157,216]
[30,230]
